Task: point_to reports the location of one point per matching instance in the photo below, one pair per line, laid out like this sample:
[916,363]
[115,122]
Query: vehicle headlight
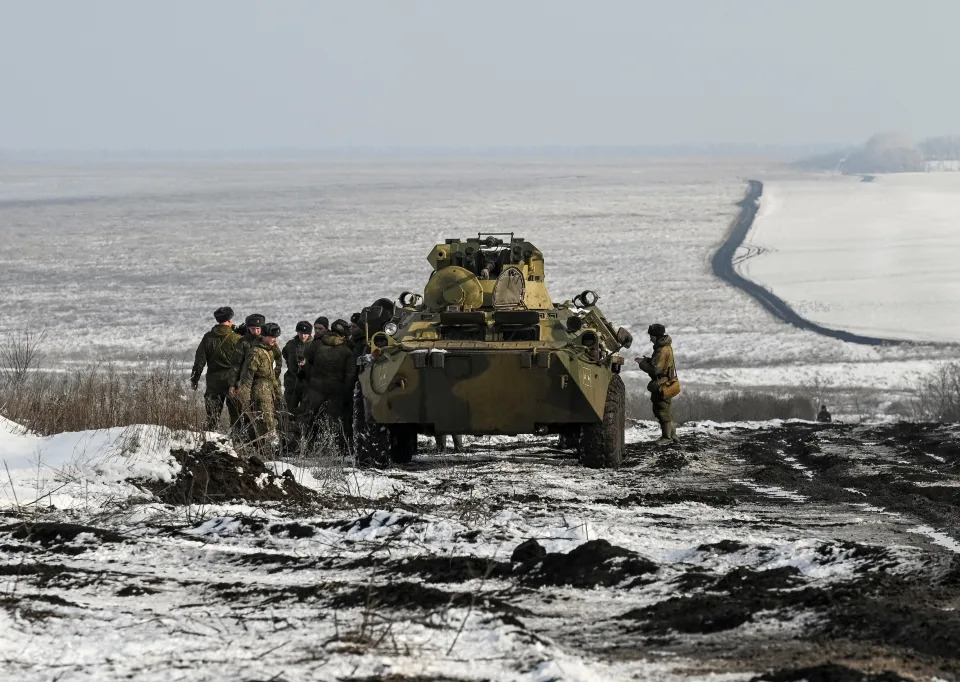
[390,328]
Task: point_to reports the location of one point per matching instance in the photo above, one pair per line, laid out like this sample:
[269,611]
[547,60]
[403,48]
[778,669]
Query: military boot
[665,435]
[672,433]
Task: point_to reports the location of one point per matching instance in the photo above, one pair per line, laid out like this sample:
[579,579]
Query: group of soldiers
[244,366]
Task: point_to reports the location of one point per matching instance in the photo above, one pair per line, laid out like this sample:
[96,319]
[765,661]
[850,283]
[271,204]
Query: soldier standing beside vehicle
[663,384]
[330,370]
[293,383]
[216,351]
[259,381]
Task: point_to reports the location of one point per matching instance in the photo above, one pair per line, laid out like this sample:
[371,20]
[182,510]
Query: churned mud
[774,553]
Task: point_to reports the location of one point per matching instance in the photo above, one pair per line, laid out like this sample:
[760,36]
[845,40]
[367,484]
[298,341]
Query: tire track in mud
[723,265]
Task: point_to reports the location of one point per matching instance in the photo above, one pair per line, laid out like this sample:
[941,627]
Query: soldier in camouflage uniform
[660,366]
[331,371]
[241,357]
[216,351]
[293,381]
[259,381]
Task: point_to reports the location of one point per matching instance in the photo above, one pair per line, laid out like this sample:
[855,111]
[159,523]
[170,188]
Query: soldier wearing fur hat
[241,358]
[215,352]
[320,326]
[259,381]
[293,381]
[330,372]
[663,384]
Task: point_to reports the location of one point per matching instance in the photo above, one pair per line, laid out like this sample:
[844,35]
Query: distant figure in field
[823,415]
[663,384]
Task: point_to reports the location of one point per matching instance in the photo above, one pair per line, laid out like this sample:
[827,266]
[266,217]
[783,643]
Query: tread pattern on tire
[601,445]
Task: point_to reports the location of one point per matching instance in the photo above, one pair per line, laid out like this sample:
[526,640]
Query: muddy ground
[786,552]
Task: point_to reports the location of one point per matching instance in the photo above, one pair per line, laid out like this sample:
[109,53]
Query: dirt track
[726,258]
[820,552]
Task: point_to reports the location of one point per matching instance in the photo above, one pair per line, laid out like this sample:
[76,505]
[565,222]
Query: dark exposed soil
[57,536]
[212,473]
[829,673]
[592,564]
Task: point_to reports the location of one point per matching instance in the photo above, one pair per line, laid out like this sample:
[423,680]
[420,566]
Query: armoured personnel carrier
[485,350]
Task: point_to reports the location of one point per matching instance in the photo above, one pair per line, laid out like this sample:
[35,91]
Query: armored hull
[486,351]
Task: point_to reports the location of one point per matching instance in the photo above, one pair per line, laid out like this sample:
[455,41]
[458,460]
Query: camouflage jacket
[331,366]
[661,362]
[259,373]
[660,366]
[216,351]
[244,353]
[293,352]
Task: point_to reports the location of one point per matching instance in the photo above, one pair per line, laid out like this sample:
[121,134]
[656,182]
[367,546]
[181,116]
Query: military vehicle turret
[485,350]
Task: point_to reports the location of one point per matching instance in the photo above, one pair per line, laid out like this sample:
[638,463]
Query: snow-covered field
[876,258]
[125,262]
[757,547]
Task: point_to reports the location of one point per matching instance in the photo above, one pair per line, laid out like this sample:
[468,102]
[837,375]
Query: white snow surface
[875,258]
[212,592]
[85,469]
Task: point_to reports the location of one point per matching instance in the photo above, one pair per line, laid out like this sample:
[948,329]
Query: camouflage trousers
[262,413]
[661,408]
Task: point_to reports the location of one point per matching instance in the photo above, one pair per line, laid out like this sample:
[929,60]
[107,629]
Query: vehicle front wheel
[601,445]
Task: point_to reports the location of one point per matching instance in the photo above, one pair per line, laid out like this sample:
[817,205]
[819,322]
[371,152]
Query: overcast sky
[238,75]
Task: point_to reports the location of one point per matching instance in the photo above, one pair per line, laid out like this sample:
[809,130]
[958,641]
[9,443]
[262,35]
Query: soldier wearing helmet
[259,381]
[663,374]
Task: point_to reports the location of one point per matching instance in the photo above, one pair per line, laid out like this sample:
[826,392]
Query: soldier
[320,326]
[823,415]
[216,351]
[357,342]
[442,443]
[293,384]
[244,351]
[661,369]
[330,372]
[259,381]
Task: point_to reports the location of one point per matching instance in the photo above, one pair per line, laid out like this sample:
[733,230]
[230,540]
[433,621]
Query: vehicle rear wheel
[601,445]
[371,441]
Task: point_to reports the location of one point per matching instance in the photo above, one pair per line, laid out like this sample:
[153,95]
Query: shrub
[939,398]
[727,407]
[100,397]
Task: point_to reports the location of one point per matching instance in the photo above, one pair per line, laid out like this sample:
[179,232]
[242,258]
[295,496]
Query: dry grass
[727,407]
[938,397]
[100,397]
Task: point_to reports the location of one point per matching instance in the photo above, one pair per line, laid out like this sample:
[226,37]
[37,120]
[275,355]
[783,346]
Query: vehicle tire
[601,445]
[371,441]
[403,443]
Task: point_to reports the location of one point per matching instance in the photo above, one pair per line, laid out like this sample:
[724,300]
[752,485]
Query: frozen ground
[126,262]
[875,258]
[753,548]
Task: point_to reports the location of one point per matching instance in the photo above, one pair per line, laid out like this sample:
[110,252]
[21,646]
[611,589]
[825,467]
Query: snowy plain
[124,262]
[878,258]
